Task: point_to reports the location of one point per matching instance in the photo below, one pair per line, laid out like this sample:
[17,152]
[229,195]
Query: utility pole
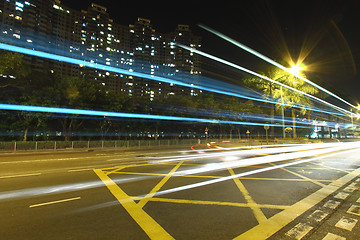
[282,112]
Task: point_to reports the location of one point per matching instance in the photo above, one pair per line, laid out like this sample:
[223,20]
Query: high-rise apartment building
[92,35]
[28,22]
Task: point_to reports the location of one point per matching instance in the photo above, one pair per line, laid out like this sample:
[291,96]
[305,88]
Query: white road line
[318,215]
[80,170]
[299,231]
[349,189]
[354,209]
[54,202]
[341,195]
[20,175]
[346,223]
[331,204]
[331,236]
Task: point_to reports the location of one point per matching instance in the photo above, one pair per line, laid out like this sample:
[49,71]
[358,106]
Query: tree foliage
[51,89]
[282,94]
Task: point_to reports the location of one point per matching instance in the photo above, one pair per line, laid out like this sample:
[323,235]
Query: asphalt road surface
[208,191]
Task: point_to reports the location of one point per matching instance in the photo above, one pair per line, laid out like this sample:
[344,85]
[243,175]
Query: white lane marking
[80,170]
[354,185]
[299,231]
[349,189]
[20,175]
[331,236]
[41,160]
[346,223]
[54,202]
[318,215]
[331,204]
[354,209]
[341,195]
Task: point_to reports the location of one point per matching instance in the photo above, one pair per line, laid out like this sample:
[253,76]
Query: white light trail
[344,150]
[262,77]
[238,44]
[70,60]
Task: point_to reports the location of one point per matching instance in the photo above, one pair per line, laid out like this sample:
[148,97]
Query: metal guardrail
[72,145]
[134,144]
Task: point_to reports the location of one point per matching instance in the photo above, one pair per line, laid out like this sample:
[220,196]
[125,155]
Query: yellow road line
[332,168]
[301,176]
[259,215]
[142,202]
[207,176]
[147,223]
[164,174]
[202,202]
[115,170]
[275,223]
[282,179]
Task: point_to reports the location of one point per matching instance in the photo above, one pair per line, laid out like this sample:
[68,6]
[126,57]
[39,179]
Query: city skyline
[274,28]
[92,35]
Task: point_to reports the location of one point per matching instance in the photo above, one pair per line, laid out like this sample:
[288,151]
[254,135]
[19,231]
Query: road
[213,191]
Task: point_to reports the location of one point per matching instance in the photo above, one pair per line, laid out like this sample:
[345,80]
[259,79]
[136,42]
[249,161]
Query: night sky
[325,34]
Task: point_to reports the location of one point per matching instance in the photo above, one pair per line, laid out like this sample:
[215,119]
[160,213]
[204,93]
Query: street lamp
[295,69]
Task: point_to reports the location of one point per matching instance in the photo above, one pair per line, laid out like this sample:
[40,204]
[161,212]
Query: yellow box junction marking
[266,227]
[147,223]
[275,223]
[301,176]
[142,202]
[259,215]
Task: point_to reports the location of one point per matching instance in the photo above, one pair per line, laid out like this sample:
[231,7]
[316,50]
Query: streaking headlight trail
[212,88]
[246,48]
[262,77]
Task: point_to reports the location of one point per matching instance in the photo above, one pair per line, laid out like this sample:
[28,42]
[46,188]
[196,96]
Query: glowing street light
[295,69]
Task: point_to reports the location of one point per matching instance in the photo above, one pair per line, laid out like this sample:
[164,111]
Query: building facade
[92,35]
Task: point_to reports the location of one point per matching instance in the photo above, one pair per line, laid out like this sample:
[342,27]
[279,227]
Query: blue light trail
[84,63]
[13,107]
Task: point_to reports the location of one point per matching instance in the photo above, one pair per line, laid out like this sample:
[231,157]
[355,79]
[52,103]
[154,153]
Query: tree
[13,70]
[289,97]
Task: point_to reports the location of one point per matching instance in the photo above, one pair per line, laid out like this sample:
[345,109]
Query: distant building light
[19,4]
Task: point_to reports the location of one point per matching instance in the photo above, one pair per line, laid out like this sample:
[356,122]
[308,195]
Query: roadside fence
[87,145]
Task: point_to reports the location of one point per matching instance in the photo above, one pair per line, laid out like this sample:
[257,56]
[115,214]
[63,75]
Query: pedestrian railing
[70,145]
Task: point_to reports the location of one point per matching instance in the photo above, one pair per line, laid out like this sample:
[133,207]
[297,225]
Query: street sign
[266,127]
